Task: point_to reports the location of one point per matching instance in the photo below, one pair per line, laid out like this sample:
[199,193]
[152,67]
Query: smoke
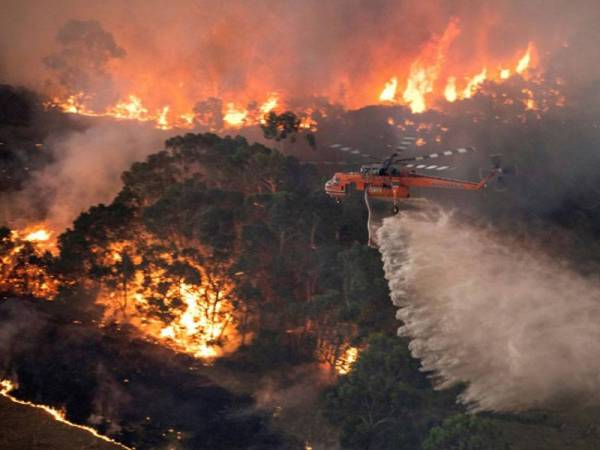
[519,328]
[86,170]
[21,327]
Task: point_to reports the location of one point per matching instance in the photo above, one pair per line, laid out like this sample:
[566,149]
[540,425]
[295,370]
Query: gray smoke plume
[519,328]
[86,170]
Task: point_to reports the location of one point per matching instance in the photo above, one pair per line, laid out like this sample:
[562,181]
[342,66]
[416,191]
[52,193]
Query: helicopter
[392,178]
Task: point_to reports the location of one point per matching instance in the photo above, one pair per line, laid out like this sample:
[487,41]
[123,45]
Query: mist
[519,328]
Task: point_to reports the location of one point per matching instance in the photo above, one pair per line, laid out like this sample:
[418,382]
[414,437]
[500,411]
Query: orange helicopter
[392,178]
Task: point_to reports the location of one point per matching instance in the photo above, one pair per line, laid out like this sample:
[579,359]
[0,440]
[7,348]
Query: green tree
[464,432]
[385,402]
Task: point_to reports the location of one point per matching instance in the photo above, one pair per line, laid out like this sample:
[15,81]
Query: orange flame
[269,105]
[474,83]
[235,116]
[425,70]
[450,90]
[523,63]
[432,75]
[132,109]
[40,235]
[388,94]
[198,319]
[344,364]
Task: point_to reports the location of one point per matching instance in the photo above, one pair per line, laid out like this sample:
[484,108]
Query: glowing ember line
[7,386]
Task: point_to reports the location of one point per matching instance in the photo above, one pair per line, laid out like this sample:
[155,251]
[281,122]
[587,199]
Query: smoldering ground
[140,394]
[520,328]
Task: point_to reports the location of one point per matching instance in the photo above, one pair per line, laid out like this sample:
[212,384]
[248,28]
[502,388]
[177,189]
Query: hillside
[27,428]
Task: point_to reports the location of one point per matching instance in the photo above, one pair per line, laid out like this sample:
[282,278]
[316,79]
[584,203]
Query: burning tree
[166,253]
[25,269]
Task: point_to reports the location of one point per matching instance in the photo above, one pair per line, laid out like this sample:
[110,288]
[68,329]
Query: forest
[222,300]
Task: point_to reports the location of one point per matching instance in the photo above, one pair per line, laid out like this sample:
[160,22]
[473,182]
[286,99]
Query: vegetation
[385,402]
[463,432]
[216,246]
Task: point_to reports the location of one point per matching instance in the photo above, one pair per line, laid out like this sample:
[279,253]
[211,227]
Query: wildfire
[426,69]
[345,362]
[40,235]
[235,116]
[429,78]
[474,83]
[420,83]
[197,329]
[450,91]
[389,91]
[23,264]
[164,118]
[269,105]
[196,318]
[529,100]
[523,63]
[307,122]
[7,386]
[131,109]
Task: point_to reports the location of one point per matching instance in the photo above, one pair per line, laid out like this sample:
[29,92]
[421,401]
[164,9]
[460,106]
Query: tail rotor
[503,173]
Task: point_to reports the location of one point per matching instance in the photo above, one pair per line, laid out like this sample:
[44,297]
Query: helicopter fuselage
[393,187]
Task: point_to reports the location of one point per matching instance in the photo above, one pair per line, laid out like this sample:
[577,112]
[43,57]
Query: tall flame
[450,90]
[426,69]
[388,94]
[523,63]
[474,83]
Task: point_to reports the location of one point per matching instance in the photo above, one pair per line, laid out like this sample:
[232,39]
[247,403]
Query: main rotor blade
[332,163]
[458,151]
[425,167]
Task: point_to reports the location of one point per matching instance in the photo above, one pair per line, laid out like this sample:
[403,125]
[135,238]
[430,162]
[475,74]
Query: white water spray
[519,328]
